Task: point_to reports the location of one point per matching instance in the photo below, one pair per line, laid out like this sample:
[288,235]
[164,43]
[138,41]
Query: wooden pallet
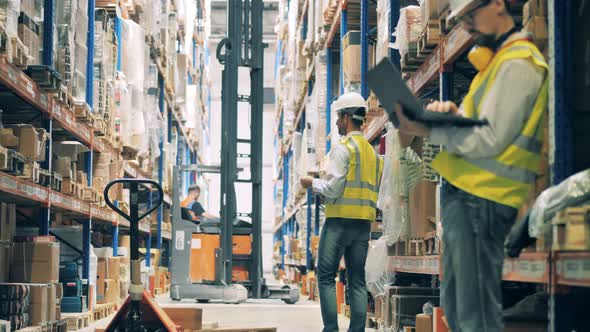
[56,181]
[99,126]
[18,52]
[77,321]
[30,172]
[82,112]
[571,229]
[88,194]
[15,162]
[101,311]
[44,177]
[65,97]
[69,187]
[429,38]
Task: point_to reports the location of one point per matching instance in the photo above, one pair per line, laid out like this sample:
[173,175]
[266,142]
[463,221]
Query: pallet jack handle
[136,291]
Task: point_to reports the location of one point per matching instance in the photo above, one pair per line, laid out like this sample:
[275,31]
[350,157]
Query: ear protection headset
[481,56]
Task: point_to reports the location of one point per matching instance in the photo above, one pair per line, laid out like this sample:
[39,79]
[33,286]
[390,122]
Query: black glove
[518,238]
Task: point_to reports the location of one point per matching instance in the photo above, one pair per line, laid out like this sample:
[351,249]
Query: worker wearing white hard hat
[350,188]
[488,171]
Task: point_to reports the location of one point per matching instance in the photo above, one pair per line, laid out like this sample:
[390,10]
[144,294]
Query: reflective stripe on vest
[507,177]
[359,199]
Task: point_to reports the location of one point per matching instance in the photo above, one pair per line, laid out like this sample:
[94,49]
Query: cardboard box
[352,56]
[35,262]
[537,26]
[423,323]
[113,290]
[422,207]
[63,166]
[101,269]
[114,268]
[7,138]
[5,250]
[39,303]
[404,308]
[31,141]
[186,318]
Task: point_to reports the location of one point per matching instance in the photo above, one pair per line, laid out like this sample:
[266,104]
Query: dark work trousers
[348,237]
[474,230]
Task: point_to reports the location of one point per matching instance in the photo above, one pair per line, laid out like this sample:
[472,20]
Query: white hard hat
[460,7]
[350,102]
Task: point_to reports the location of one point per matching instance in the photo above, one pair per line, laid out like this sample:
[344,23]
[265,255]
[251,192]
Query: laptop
[387,83]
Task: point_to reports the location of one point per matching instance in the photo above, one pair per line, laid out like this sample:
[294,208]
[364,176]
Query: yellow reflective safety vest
[359,199]
[506,178]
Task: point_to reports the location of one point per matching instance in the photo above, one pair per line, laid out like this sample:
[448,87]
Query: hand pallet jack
[139,312]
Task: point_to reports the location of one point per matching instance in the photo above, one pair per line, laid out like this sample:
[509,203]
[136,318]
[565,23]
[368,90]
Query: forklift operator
[191,208]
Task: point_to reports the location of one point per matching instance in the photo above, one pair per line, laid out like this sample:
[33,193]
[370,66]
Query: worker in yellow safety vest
[350,189]
[488,170]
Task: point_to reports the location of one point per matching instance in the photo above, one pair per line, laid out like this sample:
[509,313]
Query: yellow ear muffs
[480,57]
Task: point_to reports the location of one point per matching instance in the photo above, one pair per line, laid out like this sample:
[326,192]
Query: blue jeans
[348,237]
[474,230]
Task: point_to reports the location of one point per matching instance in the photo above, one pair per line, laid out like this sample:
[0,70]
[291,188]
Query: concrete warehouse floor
[303,316]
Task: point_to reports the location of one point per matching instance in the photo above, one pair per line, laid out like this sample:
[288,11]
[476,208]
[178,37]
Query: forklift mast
[243,47]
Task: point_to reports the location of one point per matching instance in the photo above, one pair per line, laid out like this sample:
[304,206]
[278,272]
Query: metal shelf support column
[394,8]
[343,31]
[86,235]
[47,164]
[562,161]
[308,259]
[160,161]
[148,241]
[48,25]
[119,45]
[115,229]
[90,57]
[364,47]
[328,99]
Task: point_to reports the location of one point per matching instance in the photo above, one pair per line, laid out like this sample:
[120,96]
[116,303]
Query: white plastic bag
[391,189]
[376,269]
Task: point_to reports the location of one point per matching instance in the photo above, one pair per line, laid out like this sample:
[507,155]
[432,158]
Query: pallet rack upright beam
[48,26]
[364,47]
[343,32]
[393,21]
[328,99]
[160,162]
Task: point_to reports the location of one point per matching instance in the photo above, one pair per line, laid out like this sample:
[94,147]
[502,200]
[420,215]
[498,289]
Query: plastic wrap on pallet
[573,191]
[310,36]
[319,96]
[79,73]
[132,55]
[376,272]
[408,29]
[9,12]
[390,193]
[65,11]
[383,33]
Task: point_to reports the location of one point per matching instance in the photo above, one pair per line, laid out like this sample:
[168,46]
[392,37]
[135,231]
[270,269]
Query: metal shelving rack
[58,117]
[553,269]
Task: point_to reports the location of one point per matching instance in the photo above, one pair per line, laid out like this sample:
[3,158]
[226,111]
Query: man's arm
[333,186]
[507,106]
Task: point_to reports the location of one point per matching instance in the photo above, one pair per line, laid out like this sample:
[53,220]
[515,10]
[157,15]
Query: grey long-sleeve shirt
[506,106]
[333,185]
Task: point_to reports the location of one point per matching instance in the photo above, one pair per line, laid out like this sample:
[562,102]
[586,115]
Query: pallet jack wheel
[289,301]
[203,301]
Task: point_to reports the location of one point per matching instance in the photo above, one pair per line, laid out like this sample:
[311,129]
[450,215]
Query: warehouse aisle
[303,316]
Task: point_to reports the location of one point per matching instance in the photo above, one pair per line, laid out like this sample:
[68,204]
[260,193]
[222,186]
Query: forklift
[221,260]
